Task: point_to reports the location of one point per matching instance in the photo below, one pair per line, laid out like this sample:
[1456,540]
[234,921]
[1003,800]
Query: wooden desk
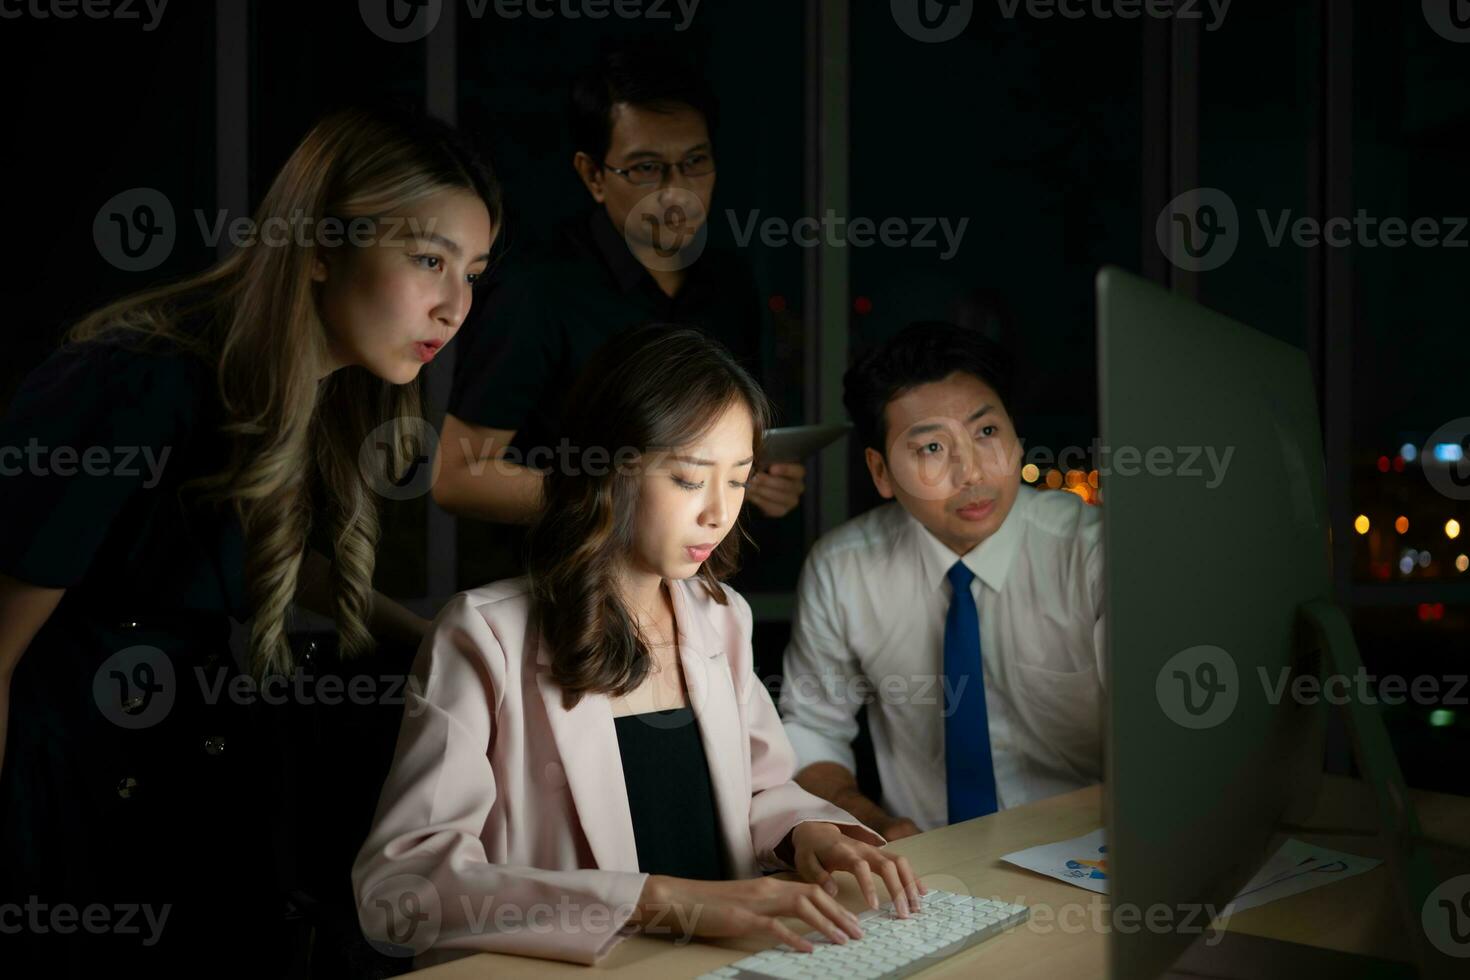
[1357,915]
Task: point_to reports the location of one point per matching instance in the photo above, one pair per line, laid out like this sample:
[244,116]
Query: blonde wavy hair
[294,439]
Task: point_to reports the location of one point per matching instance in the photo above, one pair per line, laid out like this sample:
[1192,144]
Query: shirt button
[214,744]
[127,787]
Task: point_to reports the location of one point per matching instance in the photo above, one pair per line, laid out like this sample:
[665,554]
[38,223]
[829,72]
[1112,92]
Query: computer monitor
[1217,571]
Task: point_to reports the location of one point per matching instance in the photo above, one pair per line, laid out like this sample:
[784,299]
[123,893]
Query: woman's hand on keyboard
[822,848]
[687,907]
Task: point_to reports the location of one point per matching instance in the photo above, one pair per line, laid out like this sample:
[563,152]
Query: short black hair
[656,74]
[922,352]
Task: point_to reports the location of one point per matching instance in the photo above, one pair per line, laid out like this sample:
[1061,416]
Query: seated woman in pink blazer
[587,750]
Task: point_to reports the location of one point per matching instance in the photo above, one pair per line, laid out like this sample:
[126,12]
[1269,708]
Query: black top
[528,338]
[669,793]
[93,452]
[131,774]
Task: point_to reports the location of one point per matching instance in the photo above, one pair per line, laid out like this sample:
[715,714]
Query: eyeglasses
[646,173]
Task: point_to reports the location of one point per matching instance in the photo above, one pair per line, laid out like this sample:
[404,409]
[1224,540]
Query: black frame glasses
[664,167]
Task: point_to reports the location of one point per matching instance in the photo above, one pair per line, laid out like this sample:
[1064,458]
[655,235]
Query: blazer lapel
[712,697]
[587,742]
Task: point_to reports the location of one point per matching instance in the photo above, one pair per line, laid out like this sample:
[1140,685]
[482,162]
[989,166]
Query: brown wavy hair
[292,439]
[653,389]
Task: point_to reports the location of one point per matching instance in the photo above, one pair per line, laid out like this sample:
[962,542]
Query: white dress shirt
[869,620]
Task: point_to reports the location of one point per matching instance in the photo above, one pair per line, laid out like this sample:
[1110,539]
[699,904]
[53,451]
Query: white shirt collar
[989,560]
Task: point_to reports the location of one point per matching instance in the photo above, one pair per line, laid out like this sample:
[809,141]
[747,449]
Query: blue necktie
[968,768]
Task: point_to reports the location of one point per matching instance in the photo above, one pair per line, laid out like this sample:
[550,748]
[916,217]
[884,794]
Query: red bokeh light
[1430,611]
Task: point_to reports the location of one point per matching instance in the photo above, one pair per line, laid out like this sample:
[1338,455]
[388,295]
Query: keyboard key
[890,946]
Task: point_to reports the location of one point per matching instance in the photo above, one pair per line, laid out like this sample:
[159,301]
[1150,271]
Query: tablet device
[794,443]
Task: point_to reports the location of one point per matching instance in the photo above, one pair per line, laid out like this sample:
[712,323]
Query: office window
[1411,106]
[1031,179]
[81,154]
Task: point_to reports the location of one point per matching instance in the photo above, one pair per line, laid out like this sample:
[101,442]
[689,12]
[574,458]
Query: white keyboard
[891,947]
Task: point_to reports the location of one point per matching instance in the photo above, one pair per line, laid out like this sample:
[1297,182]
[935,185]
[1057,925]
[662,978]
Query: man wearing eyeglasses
[641,122]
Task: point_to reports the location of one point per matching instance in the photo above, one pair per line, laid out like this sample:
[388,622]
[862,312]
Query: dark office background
[1059,140]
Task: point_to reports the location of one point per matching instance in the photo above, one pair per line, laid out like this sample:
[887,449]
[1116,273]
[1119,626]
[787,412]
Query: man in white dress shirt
[985,696]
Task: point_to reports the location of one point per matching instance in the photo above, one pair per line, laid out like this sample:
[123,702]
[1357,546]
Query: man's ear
[591,173]
[878,469]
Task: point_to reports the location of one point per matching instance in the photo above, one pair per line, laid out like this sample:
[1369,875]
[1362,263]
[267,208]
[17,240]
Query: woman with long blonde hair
[175,458]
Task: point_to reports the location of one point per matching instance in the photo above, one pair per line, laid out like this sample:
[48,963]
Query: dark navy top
[542,318]
[670,795]
[131,775]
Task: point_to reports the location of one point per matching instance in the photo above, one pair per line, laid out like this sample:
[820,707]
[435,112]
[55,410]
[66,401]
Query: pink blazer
[504,824]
